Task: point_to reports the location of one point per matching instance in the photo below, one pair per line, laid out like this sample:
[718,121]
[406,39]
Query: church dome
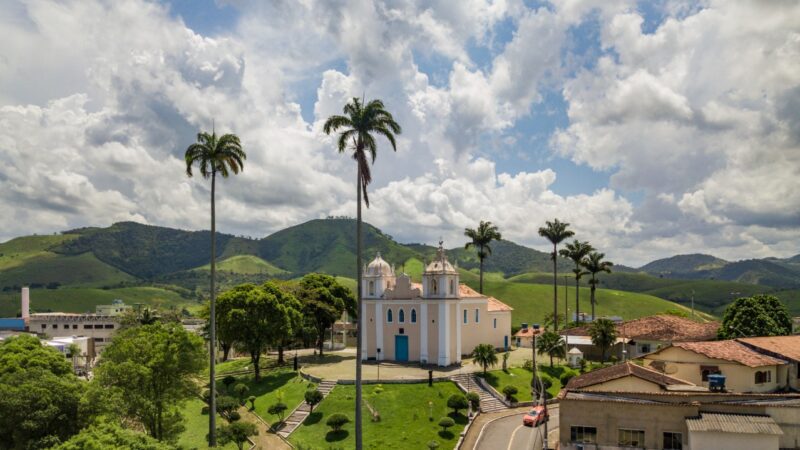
[378,267]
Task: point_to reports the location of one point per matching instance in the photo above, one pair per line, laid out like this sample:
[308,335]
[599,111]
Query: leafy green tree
[457,402]
[262,315]
[484,355]
[358,125]
[337,420]
[278,409]
[594,264]
[576,251]
[551,344]
[252,400]
[510,391]
[237,432]
[145,376]
[73,352]
[324,301]
[552,320]
[39,395]
[313,397]
[603,333]
[241,390]
[759,315]
[227,405]
[446,422]
[474,400]
[555,232]
[223,155]
[111,436]
[481,237]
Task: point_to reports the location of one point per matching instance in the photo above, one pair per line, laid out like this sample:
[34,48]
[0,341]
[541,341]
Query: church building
[436,322]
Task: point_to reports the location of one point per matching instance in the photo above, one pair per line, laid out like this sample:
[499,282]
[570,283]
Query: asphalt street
[508,433]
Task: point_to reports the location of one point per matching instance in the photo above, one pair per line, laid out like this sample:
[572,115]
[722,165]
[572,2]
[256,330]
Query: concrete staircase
[299,415]
[489,403]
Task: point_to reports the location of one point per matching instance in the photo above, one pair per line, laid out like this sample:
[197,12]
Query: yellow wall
[732,441]
[626,384]
[738,377]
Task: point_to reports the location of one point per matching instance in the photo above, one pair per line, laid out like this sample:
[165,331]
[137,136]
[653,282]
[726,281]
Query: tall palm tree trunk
[577,300]
[592,296]
[212,410]
[480,288]
[555,291]
[360,319]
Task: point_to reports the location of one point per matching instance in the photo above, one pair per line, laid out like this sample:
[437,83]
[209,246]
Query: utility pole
[566,315]
[543,396]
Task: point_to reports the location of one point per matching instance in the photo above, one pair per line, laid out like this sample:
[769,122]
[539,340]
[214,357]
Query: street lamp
[379,364]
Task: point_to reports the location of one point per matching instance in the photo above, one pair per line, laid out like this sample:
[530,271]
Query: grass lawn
[404,422]
[274,383]
[196,423]
[521,379]
[239,364]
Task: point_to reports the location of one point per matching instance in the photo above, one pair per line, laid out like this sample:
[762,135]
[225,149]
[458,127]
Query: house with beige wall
[629,377]
[435,322]
[745,369]
[786,348]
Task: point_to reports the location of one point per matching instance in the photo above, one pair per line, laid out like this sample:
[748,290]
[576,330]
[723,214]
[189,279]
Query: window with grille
[583,435]
[389,316]
[631,438]
[763,376]
[673,441]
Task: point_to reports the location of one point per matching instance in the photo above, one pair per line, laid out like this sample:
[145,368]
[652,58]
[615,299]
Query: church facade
[434,322]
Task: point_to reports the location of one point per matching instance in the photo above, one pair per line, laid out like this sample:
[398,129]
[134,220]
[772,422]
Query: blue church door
[401,348]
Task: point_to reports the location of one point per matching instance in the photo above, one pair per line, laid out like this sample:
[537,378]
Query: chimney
[26,303]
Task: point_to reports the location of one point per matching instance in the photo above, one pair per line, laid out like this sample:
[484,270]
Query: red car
[535,417]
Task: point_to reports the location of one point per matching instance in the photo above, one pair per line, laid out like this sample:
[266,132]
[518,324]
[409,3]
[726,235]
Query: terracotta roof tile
[729,351]
[527,332]
[623,370]
[496,305]
[466,291]
[662,327]
[780,346]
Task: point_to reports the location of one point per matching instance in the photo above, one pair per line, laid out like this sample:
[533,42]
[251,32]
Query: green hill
[683,264]
[245,264]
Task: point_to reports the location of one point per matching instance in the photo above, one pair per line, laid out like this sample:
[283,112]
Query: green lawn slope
[80,300]
[80,270]
[245,264]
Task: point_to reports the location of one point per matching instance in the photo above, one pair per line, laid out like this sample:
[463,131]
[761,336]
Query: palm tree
[555,232]
[485,356]
[603,334]
[594,264]
[551,344]
[358,125]
[214,155]
[481,238]
[576,251]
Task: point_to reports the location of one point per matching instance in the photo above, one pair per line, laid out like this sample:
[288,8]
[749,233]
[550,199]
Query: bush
[510,392]
[277,409]
[457,402]
[207,395]
[313,397]
[446,422]
[565,377]
[528,365]
[233,416]
[227,404]
[241,390]
[432,445]
[205,410]
[252,400]
[228,380]
[337,421]
[474,400]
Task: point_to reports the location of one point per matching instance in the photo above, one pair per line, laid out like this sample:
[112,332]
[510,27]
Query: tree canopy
[485,356]
[257,317]
[603,333]
[324,301]
[759,315]
[39,395]
[551,344]
[145,375]
[110,436]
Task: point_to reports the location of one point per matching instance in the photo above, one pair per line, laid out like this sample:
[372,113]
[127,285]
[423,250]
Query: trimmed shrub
[474,400]
[278,409]
[337,421]
[510,392]
[252,400]
[446,422]
[241,390]
[205,410]
[432,445]
[565,377]
[228,380]
[457,402]
[313,397]
[233,416]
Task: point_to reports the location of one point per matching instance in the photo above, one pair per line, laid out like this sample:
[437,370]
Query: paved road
[508,433]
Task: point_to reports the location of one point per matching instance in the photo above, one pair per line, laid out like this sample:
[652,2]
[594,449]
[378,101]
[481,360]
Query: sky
[653,128]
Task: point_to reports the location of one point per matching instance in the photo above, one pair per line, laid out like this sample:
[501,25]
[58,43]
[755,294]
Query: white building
[436,322]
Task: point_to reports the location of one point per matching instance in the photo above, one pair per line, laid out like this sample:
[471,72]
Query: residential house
[524,337]
[786,348]
[745,369]
[641,336]
[628,377]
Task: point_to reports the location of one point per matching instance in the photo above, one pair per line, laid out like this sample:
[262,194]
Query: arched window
[452,287]
[371,287]
[401,316]
[434,286]
[413,315]
[389,316]
[465,316]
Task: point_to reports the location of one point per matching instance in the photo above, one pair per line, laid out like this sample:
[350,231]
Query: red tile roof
[625,369]
[527,332]
[662,327]
[729,351]
[496,305]
[466,291]
[787,347]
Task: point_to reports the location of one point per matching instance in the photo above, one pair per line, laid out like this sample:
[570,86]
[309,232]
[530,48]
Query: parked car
[535,417]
